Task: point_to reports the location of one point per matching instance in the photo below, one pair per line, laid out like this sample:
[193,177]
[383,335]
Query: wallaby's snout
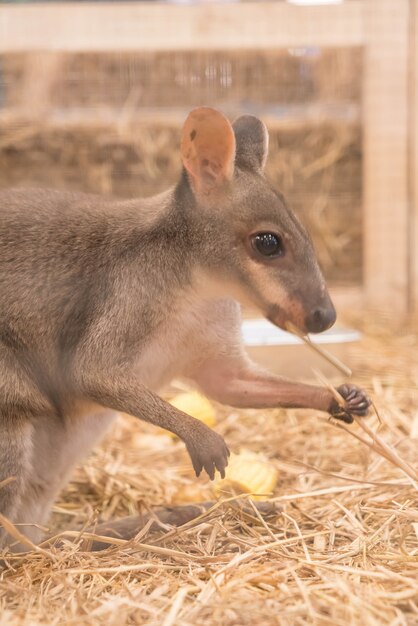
[321,318]
[257,245]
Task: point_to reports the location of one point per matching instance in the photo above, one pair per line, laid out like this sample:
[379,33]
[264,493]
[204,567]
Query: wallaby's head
[248,237]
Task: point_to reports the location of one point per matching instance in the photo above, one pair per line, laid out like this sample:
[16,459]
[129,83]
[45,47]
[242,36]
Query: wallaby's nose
[320,319]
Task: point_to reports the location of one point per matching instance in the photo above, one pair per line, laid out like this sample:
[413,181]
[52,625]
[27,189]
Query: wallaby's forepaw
[208,451]
[356,403]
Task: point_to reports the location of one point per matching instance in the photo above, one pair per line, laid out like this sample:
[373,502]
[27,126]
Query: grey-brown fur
[103,302]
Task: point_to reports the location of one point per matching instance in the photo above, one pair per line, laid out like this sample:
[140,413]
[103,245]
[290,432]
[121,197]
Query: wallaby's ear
[208,149]
[252,140]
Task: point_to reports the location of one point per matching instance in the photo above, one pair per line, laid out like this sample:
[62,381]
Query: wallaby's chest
[189,336]
[169,349]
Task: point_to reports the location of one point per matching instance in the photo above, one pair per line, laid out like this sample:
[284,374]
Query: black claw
[210,470]
[361,407]
[344,417]
[358,398]
[356,403]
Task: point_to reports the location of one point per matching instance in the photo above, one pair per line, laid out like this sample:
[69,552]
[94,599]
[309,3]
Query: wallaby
[103,302]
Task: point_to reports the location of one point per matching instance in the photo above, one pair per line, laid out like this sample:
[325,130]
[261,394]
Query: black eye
[268,244]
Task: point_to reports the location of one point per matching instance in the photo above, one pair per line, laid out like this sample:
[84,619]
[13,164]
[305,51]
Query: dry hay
[342,551]
[316,165]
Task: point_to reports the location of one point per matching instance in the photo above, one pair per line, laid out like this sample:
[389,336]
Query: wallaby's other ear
[252,141]
[208,149]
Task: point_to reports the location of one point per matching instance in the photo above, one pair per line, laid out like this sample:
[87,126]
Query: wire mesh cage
[97,105]
[110,123]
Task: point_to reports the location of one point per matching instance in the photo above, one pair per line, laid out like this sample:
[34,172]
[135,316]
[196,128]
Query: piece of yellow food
[196,405]
[247,472]
[192,492]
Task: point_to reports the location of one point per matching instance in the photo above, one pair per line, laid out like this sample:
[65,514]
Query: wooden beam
[154,26]
[386,198]
[413,156]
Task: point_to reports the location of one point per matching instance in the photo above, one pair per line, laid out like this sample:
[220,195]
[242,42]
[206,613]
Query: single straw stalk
[377,443]
[319,350]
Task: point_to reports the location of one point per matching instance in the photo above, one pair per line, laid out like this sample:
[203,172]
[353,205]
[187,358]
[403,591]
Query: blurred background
[93,96]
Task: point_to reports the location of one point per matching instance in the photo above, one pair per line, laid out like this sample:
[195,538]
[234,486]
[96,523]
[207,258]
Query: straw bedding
[341,547]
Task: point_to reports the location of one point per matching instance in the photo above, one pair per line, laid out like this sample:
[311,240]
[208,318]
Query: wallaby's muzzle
[309,312]
[306,320]
[321,318]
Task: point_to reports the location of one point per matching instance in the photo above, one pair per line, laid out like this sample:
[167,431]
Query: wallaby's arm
[123,392]
[225,372]
[241,383]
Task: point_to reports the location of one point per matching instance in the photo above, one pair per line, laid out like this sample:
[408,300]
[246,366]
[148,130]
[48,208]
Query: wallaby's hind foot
[127,528]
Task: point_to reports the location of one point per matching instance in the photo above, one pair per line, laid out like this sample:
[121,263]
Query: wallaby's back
[62,253]
[71,261]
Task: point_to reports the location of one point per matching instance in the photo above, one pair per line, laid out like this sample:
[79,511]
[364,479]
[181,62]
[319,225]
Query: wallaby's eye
[268,244]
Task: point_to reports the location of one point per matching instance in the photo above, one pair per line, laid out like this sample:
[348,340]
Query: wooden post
[413,156]
[386,197]
[96,26]
[41,71]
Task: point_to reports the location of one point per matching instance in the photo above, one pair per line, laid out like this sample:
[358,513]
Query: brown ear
[252,140]
[208,149]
